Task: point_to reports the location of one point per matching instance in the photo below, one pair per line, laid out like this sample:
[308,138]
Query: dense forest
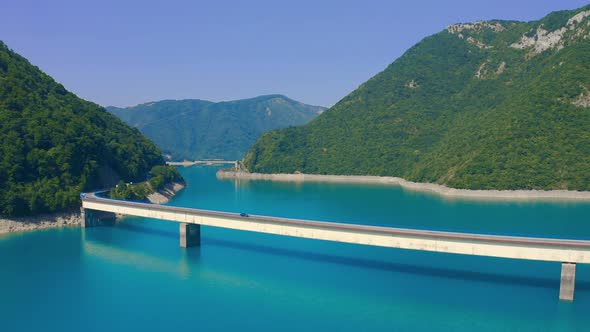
[197,129]
[53,145]
[486,105]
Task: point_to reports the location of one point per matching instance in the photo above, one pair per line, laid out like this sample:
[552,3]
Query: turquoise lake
[134,276]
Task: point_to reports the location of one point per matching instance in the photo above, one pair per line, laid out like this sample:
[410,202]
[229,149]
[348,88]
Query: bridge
[208,162]
[98,210]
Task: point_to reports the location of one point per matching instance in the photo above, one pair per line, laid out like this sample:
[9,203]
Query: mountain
[54,145]
[484,105]
[198,129]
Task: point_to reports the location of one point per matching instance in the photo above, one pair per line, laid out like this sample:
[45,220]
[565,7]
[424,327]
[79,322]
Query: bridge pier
[568,282]
[190,235]
[567,252]
[93,218]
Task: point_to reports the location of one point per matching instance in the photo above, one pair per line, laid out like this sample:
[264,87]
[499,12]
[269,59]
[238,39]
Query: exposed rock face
[501,68]
[541,41]
[478,43]
[412,84]
[484,72]
[163,196]
[584,99]
[481,71]
[578,18]
[544,40]
[476,26]
[538,41]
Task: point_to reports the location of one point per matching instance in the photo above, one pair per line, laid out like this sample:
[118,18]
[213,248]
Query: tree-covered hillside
[487,105]
[54,145]
[198,129]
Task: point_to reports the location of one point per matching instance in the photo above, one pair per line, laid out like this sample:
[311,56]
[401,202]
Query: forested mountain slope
[486,105]
[198,129]
[54,145]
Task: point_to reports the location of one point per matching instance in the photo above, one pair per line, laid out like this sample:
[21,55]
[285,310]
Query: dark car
[244,214]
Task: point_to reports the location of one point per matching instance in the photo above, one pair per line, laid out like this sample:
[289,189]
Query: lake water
[134,276]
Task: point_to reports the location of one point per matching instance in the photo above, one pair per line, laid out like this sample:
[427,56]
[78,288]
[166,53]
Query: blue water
[134,277]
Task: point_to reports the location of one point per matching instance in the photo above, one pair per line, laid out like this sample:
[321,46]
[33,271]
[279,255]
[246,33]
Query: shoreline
[433,188]
[188,163]
[164,195]
[73,218]
[44,221]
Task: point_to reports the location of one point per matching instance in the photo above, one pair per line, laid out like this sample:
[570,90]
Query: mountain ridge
[484,105]
[196,129]
[53,144]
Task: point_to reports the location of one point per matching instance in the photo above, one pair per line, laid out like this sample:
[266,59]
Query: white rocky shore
[506,195]
[163,196]
[73,218]
[62,219]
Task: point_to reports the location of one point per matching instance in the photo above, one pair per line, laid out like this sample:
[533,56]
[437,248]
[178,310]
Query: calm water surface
[134,276]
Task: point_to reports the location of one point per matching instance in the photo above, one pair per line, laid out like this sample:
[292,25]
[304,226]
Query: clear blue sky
[127,52]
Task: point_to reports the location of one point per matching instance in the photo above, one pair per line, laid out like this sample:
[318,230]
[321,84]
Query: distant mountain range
[483,105]
[198,129]
[53,145]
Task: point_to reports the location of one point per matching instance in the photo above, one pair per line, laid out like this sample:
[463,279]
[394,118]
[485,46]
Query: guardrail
[568,252]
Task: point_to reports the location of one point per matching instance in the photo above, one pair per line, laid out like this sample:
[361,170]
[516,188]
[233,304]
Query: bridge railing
[568,252]
[499,239]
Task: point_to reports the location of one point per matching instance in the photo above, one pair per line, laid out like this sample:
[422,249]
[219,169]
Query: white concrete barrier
[542,249]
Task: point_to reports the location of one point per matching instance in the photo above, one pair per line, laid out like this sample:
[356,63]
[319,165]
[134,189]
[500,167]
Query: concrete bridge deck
[567,252]
[212,162]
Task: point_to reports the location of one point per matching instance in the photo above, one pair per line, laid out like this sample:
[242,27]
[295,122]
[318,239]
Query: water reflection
[111,252]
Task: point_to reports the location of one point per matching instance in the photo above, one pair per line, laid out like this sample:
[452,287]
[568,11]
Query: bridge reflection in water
[567,252]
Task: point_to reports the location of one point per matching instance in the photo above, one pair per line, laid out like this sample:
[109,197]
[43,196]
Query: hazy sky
[128,52]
